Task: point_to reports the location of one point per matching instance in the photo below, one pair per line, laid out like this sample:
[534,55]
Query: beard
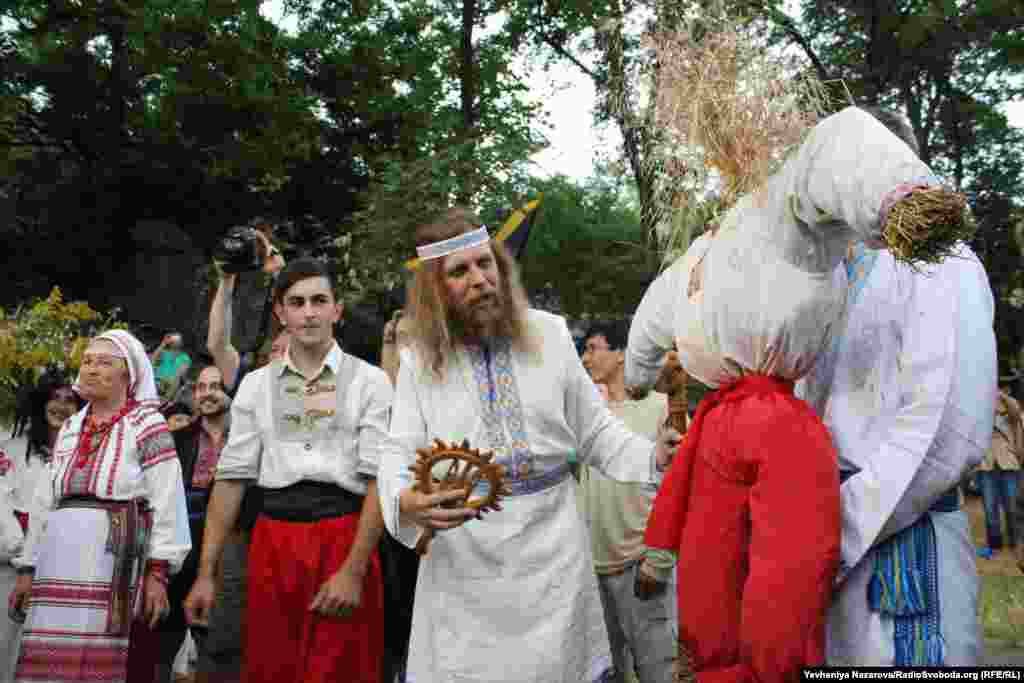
[483,320]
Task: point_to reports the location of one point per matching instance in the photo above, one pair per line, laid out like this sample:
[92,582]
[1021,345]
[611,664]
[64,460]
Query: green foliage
[586,247]
[204,113]
[43,333]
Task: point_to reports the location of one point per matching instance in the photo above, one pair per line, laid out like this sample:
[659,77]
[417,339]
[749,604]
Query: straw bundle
[729,105]
[925,226]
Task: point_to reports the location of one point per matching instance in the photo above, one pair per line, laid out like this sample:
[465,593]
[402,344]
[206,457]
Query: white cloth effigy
[771,292]
[908,393]
[510,598]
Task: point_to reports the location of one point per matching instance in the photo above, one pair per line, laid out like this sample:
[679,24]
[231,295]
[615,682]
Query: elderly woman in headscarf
[24,459]
[108,527]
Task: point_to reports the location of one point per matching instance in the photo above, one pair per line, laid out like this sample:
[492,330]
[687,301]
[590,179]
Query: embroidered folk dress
[85,591]
[907,393]
[511,597]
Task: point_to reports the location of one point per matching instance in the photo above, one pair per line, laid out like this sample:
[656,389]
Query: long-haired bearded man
[512,596]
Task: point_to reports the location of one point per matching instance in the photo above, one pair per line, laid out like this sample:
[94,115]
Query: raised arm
[218,339]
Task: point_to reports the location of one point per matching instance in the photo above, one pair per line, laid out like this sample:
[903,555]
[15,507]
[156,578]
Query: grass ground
[1002,586]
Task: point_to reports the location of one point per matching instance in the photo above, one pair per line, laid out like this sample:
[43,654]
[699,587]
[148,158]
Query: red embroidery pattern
[112,475]
[94,434]
[5,464]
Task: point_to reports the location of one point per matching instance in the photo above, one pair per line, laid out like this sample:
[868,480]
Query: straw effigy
[732,109]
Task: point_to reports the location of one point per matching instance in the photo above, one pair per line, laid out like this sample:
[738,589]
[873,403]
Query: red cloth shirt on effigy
[751,505]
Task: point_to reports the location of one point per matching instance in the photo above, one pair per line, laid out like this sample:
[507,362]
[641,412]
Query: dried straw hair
[427,309]
[729,108]
[926,226]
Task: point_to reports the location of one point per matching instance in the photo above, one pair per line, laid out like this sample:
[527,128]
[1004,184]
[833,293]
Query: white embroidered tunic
[908,393]
[512,597]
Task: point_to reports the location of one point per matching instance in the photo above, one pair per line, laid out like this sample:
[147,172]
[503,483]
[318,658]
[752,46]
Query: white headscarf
[142,383]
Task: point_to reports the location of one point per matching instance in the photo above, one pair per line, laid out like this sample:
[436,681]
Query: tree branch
[558,45]
[789,26]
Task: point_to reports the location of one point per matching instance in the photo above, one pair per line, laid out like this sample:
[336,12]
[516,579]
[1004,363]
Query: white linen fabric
[908,395]
[135,460]
[512,597]
[18,479]
[670,312]
[770,293]
[331,428]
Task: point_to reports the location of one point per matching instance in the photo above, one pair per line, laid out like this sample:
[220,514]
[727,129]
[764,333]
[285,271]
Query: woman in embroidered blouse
[108,527]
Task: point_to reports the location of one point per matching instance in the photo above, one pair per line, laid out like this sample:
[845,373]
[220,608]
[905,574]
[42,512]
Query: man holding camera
[309,429]
[245,249]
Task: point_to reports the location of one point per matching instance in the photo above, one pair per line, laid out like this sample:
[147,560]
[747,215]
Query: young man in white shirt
[309,430]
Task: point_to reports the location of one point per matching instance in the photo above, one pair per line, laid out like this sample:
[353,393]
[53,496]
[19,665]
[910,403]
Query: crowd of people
[263,506]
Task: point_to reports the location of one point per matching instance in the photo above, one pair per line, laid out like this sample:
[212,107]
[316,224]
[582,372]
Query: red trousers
[751,504]
[285,641]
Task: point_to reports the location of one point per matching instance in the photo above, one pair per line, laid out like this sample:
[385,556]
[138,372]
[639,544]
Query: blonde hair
[427,307]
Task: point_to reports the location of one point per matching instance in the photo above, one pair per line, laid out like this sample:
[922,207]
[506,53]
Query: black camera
[240,251]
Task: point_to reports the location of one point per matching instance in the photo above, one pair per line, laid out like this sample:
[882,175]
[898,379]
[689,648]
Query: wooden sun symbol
[466,468]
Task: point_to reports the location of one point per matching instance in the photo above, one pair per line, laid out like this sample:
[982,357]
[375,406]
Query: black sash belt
[309,501]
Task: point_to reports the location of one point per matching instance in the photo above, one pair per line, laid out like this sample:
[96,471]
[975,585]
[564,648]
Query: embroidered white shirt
[286,428]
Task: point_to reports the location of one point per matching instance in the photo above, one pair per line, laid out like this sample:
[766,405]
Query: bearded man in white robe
[906,391]
[511,597]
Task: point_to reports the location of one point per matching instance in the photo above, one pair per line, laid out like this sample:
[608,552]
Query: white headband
[466,240]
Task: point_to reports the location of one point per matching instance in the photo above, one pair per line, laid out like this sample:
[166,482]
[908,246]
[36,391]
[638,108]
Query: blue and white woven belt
[535,484]
[905,587]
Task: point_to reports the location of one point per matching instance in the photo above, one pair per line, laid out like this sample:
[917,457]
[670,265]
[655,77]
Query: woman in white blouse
[108,527]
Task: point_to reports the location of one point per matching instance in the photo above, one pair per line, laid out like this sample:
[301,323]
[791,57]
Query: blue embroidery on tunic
[857,270]
[499,399]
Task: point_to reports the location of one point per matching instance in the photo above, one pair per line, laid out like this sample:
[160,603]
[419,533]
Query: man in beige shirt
[999,473]
[639,608]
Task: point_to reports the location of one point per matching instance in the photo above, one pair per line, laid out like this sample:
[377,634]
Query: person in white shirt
[512,596]
[309,429]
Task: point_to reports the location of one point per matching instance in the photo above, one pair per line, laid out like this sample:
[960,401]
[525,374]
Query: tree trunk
[468,95]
